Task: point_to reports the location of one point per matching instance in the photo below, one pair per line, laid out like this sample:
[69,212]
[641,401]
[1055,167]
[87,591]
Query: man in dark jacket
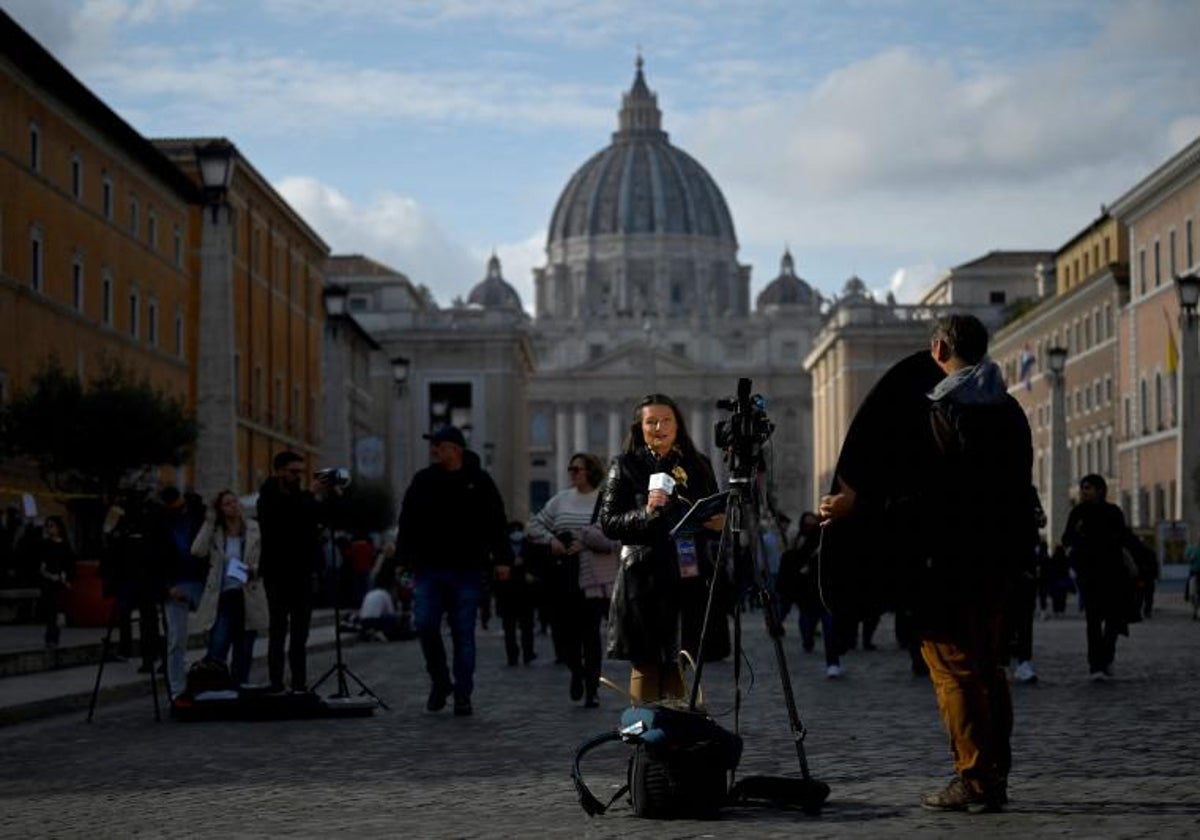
[977,504]
[452,531]
[290,519]
[1095,541]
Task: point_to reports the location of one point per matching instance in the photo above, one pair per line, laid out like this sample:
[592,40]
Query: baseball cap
[447,434]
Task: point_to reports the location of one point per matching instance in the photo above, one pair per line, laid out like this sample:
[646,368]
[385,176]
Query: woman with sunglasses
[643,622]
[560,525]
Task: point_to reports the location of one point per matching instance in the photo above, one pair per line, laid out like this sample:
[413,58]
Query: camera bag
[681,765]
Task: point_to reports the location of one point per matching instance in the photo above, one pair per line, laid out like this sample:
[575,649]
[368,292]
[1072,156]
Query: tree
[97,439]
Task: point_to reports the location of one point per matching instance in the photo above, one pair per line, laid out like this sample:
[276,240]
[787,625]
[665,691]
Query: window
[1188,253]
[679,349]
[1143,406]
[178,237]
[152,231]
[35,147]
[106,295]
[133,217]
[37,259]
[1142,272]
[152,322]
[77,176]
[1160,416]
[1108,324]
[996,297]
[1157,264]
[1171,255]
[1128,417]
[1087,332]
[1107,259]
[134,311]
[539,429]
[1108,392]
[77,283]
[358,303]
[106,197]
[179,335]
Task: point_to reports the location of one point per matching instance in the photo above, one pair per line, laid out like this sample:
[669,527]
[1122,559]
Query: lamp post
[1188,396]
[1057,504]
[400,367]
[337,377]
[216,397]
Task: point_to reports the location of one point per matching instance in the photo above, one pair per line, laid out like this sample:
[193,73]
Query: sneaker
[576,686]
[462,707]
[834,671]
[437,697]
[1098,676]
[1025,673]
[957,796]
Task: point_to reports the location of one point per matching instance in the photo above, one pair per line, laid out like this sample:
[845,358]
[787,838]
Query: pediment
[635,357]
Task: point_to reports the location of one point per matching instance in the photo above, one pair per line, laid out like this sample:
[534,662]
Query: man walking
[452,531]
[289,518]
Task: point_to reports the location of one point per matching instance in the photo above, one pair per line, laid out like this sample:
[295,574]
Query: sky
[888,139]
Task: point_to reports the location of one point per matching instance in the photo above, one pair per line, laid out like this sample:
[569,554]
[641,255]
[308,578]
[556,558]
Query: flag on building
[1172,347]
[1026,367]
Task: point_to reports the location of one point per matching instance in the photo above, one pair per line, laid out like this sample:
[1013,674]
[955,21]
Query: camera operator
[133,570]
[291,518]
[648,595]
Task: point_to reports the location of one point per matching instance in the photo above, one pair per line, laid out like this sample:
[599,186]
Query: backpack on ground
[681,765]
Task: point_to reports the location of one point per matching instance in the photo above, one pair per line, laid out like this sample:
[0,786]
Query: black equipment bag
[680,768]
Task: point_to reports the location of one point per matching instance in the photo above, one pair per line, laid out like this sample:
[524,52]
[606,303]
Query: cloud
[393,229]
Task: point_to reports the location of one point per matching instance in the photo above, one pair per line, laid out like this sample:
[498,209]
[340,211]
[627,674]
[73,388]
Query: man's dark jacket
[978,513]
[291,530]
[453,520]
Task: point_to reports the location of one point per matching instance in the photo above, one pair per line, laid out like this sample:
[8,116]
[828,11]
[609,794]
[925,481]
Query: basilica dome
[787,289]
[640,183]
[493,291]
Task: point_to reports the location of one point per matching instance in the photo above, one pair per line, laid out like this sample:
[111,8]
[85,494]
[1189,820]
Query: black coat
[643,623]
[291,532]
[1095,540]
[453,520]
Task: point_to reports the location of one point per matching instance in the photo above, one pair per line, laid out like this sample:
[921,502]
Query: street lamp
[335,300]
[1059,491]
[400,367]
[215,161]
[1187,446]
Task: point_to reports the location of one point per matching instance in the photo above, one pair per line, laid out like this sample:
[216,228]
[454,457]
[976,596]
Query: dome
[640,183]
[787,289]
[493,291]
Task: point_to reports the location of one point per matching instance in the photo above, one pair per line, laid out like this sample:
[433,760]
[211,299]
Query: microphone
[662,481]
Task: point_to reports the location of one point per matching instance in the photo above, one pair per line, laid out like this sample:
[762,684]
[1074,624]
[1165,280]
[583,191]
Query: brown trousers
[966,668]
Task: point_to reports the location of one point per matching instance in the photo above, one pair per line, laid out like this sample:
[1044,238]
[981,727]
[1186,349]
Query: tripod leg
[166,646]
[365,689]
[153,676]
[105,645]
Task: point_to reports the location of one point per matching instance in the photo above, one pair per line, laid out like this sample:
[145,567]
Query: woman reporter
[643,624]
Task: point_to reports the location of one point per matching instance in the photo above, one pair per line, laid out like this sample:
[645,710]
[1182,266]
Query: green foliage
[100,438]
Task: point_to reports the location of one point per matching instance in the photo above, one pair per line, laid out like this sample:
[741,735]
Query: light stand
[342,699]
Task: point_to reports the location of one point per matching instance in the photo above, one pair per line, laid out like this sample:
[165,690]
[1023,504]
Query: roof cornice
[1170,176]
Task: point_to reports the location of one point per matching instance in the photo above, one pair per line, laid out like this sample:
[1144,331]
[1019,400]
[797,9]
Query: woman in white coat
[233,607]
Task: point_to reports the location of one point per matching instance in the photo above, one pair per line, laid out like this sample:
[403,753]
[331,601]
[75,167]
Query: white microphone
[662,481]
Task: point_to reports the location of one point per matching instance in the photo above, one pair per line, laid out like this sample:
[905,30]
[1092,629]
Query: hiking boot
[437,697]
[958,796]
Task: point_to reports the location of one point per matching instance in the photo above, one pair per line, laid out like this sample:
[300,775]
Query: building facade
[94,227]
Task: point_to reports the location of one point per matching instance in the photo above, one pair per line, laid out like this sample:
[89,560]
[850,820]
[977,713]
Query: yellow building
[93,235]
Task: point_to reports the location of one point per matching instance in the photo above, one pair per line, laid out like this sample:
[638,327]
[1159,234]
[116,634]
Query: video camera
[742,435]
[335,477]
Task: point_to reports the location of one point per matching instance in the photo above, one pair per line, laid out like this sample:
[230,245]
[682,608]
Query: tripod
[114,617]
[339,667]
[741,535]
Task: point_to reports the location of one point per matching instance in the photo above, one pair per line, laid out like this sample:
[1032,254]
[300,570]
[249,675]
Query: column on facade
[616,430]
[216,413]
[581,428]
[562,446]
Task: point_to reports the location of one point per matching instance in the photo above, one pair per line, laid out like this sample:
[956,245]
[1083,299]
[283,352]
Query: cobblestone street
[1116,759]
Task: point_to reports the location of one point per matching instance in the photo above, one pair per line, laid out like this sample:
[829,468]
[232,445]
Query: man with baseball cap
[452,531]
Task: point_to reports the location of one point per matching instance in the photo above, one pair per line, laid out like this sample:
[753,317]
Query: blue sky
[884,138]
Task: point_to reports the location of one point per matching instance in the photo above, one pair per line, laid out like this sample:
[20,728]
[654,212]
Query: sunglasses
[574,469]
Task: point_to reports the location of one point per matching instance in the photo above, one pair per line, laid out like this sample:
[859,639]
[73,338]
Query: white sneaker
[1025,673]
[834,671]
[1098,676]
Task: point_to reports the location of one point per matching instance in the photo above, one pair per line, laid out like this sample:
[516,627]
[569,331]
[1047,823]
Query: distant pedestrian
[452,531]
[56,571]
[515,600]
[233,608]
[800,584]
[1022,604]
[1096,539]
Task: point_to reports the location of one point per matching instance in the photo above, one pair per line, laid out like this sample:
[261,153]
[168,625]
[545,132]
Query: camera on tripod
[742,435]
[335,477]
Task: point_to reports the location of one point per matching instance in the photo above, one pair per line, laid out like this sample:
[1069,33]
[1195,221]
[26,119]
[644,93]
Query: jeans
[177,633]
[454,593]
[229,631]
[808,633]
